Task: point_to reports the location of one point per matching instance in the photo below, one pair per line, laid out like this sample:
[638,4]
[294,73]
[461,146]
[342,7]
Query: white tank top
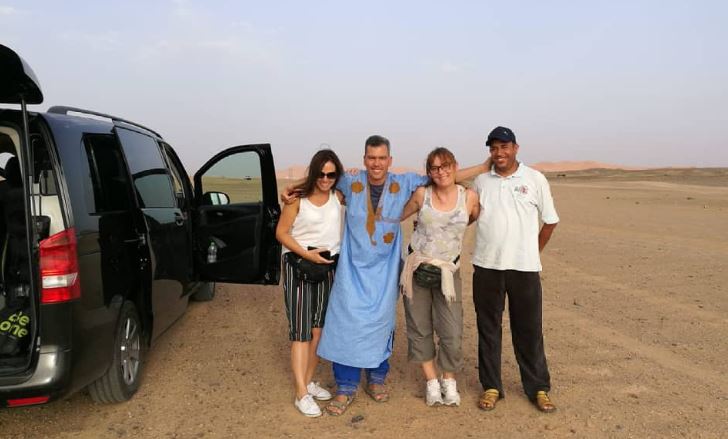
[439,234]
[318,226]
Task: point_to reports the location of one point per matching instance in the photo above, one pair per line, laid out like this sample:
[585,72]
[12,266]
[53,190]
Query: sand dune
[577,166]
[298,171]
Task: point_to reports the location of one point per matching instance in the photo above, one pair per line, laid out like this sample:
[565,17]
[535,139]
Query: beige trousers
[428,312]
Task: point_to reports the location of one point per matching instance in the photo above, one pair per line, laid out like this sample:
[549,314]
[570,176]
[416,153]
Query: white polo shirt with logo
[511,211]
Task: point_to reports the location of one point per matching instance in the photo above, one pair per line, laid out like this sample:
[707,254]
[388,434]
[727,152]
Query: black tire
[121,381]
[205,293]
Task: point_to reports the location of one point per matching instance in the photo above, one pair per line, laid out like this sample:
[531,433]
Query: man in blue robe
[360,319]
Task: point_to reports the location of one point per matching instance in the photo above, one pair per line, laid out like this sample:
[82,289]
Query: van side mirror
[215,198]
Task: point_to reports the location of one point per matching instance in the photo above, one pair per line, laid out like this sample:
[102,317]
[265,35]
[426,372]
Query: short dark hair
[314,168]
[376,140]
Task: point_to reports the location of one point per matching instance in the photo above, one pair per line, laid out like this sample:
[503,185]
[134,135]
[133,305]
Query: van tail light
[28,401]
[59,268]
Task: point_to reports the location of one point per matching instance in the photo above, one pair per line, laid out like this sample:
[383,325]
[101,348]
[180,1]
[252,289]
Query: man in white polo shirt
[515,200]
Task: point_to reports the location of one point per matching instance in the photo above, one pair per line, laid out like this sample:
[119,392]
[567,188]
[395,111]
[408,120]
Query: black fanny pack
[310,271]
[428,275]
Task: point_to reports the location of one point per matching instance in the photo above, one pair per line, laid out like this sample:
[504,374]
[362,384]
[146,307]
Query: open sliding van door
[237,210]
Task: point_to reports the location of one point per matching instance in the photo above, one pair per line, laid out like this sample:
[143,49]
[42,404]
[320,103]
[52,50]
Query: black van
[103,240]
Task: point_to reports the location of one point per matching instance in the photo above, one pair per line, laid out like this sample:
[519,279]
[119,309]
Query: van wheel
[121,381]
[205,293]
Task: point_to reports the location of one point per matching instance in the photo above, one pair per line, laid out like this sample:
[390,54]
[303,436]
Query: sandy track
[635,314]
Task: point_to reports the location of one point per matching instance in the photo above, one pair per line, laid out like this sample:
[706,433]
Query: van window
[149,172]
[238,176]
[44,174]
[108,173]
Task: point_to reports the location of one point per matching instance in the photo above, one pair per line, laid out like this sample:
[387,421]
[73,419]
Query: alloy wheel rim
[130,349]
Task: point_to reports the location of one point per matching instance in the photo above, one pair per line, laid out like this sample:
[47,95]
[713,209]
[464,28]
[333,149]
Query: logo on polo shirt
[522,189]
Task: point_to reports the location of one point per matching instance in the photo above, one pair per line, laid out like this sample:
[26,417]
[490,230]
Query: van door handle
[141,239]
[179,219]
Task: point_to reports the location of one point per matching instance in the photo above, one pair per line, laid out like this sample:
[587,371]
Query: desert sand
[635,318]
[298,171]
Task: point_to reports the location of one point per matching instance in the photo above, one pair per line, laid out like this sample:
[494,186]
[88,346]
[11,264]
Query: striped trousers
[306,302]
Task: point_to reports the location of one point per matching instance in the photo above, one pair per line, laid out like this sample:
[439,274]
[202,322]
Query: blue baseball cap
[501,133]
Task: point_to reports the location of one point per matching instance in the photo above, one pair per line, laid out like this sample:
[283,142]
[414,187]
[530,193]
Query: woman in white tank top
[310,228]
[444,211]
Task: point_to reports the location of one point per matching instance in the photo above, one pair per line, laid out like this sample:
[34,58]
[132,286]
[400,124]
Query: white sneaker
[308,406]
[318,392]
[450,392]
[433,395]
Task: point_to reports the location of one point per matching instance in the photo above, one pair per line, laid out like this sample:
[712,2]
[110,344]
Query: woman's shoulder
[292,207]
[419,195]
[339,196]
[470,195]
[420,192]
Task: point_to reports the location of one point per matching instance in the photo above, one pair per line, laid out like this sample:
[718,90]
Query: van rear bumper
[50,377]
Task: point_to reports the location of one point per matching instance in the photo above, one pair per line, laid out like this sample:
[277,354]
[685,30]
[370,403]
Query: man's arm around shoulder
[473,171]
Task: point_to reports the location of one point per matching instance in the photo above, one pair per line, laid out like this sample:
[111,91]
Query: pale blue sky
[641,83]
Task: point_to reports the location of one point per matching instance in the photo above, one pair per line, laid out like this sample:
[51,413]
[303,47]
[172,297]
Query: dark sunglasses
[329,175]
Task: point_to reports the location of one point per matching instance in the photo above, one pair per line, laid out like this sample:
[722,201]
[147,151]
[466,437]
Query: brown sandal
[338,408]
[378,392]
[543,402]
[488,399]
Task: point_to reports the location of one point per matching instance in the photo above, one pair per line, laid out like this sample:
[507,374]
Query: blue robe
[360,318]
